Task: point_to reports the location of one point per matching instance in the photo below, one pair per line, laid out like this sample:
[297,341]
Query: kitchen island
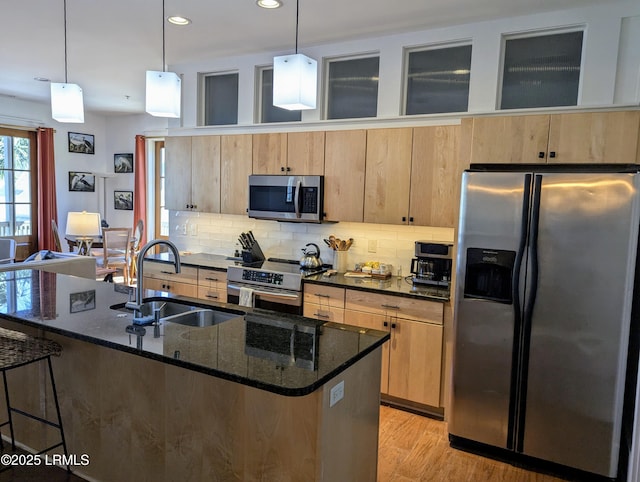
[220,402]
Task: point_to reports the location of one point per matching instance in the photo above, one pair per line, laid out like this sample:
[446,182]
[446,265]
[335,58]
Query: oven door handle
[266,293]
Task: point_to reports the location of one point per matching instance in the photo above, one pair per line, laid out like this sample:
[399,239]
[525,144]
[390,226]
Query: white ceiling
[111,43]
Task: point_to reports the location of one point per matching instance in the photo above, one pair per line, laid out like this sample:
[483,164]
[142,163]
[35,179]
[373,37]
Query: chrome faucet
[140,264]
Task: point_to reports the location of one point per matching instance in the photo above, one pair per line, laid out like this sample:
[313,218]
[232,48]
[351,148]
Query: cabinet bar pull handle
[215,297]
[211,279]
[321,315]
[391,307]
[166,272]
[322,296]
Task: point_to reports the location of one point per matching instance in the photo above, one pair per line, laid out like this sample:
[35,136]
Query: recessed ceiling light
[178,20]
[269,3]
[41,79]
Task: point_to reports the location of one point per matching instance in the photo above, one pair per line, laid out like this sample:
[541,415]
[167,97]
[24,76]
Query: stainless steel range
[275,284]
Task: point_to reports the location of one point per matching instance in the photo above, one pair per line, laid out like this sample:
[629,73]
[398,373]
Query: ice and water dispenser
[489,274]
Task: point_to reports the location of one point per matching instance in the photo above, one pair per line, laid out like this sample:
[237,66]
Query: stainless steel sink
[173,312]
[199,317]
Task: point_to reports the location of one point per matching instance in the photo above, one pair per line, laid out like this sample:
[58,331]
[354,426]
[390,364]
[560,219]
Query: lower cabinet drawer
[211,294]
[312,310]
[171,286]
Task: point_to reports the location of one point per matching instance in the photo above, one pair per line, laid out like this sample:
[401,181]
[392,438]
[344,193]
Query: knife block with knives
[251,252]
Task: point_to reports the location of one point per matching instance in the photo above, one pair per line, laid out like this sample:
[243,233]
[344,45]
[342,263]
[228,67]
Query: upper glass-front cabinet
[541,71]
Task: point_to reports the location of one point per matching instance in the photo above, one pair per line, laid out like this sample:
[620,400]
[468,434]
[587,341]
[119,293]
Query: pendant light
[66,99]
[295,79]
[163,88]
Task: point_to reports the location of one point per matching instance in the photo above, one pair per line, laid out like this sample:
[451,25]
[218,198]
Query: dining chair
[135,246]
[116,250]
[7,250]
[56,236]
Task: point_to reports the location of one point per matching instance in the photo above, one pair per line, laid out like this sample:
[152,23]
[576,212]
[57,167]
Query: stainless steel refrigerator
[546,262]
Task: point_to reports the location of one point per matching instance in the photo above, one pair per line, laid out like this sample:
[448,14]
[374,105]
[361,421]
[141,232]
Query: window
[268,111]
[437,80]
[541,71]
[220,99]
[352,88]
[17,185]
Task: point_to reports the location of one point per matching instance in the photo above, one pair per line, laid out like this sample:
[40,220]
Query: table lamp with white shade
[85,227]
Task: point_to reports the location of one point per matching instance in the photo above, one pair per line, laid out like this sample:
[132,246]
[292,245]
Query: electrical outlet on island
[337,394]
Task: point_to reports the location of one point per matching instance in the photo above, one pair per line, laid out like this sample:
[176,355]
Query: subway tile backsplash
[218,234]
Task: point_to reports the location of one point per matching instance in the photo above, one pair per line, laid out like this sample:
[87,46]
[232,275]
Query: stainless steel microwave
[286,198]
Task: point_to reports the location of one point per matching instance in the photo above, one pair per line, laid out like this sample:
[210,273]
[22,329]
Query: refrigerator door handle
[525,335]
[533,244]
[517,309]
[522,244]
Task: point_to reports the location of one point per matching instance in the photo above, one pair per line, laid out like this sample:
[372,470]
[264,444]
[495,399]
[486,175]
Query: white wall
[120,138]
[112,135]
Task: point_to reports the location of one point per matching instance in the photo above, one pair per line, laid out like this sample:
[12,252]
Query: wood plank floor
[416,448]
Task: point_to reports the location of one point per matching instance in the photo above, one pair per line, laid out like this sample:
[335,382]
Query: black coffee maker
[432,264]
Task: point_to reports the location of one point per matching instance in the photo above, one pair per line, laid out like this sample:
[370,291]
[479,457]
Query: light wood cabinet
[296,153]
[192,173]
[235,168]
[595,138]
[270,153]
[323,302]
[162,277]
[171,286]
[203,283]
[435,176]
[305,153]
[177,173]
[510,139]
[212,285]
[344,175]
[412,362]
[585,137]
[388,176]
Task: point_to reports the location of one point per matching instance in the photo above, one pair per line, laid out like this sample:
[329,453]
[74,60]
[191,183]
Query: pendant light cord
[65,41]
[297,14]
[164,68]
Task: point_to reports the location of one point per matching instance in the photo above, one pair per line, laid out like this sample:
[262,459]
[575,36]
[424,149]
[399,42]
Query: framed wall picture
[123,200]
[123,163]
[82,301]
[82,143]
[82,181]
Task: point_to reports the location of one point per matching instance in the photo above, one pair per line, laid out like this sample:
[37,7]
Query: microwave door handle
[297,198]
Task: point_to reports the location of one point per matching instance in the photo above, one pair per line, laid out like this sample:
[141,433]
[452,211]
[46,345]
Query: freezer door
[490,238]
[587,236]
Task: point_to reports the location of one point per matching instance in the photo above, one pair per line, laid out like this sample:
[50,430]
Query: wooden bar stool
[19,349]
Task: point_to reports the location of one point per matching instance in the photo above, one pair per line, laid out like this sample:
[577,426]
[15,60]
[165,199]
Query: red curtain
[47,206]
[140,186]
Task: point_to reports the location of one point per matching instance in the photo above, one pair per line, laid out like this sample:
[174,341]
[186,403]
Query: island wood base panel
[141,419]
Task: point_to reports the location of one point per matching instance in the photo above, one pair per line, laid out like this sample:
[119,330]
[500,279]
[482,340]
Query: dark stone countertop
[391,286]
[200,260]
[252,348]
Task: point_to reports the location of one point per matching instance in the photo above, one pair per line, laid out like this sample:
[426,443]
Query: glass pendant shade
[163,94]
[295,79]
[66,102]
